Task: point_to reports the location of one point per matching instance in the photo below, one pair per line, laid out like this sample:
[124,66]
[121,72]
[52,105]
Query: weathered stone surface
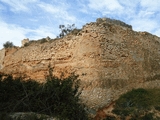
[2,54]
[25,41]
[109,58]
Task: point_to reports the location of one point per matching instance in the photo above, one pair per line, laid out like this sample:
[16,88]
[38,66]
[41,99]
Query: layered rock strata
[109,58]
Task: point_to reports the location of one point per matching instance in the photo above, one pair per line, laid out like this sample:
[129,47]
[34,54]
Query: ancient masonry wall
[109,58]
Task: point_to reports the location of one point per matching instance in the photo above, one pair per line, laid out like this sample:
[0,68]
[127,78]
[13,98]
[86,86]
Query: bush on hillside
[138,103]
[8,44]
[56,97]
[64,30]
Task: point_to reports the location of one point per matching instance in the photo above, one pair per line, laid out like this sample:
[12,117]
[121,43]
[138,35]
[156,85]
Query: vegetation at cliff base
[56,97]
[139,104]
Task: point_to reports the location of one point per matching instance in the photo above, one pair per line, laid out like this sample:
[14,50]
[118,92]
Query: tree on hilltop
[8,44]
[64,30]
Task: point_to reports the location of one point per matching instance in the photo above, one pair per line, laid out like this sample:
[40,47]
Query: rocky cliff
[109,58]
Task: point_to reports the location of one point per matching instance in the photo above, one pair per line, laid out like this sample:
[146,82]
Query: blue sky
[35,19]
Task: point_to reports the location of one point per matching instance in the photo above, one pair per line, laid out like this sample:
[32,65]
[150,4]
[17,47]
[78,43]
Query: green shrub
[148,116]
[66,30]
[138,102]
[4,116]
[8,44]
[157,108]
[56,97]
[110,118]
[27,44]
[30,43]
[43,40]
[129,102]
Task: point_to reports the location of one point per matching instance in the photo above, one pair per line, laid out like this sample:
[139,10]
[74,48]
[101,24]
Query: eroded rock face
[109,58]
[25,41]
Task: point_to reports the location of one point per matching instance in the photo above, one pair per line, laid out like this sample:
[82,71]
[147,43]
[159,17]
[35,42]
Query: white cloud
[15,33]
[49,8]
[151,5]
[105,5]
[129,3]
[41,32]
[82,7]
[144,14]
[2,7]
[117,9]
[11,33]
[129,8]
[157,32]
[18,5]
[144,25]
[58,11]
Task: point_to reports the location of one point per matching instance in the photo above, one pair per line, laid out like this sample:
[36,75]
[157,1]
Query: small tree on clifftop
[8,44]
[65,30]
